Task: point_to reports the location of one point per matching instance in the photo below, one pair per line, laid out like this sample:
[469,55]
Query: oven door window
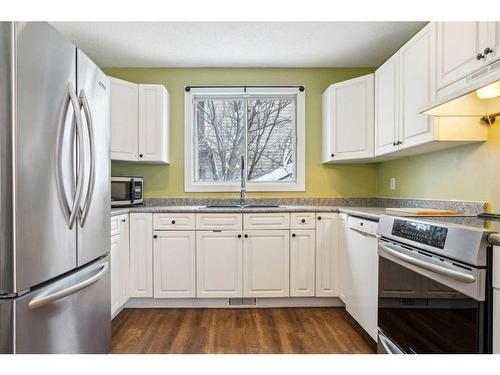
[120,191]
[423,316]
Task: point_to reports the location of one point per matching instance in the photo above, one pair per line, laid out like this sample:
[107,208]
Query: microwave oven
[127,191]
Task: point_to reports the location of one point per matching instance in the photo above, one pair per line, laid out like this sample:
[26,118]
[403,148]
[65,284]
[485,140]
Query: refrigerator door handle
[42,301]
[80,155]
[63,199]
[90,191]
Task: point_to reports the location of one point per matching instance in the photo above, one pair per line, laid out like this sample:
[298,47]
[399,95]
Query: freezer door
[94,220]
[71,315]
[45,245]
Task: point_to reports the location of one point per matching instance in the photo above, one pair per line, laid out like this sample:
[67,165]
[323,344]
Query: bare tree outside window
[265,135]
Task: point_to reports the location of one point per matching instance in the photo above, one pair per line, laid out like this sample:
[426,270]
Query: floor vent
[242,301]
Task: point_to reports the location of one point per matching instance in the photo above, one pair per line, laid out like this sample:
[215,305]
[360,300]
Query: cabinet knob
[293,235]
[140,155]
[480,56]
[303,221]
[394,143]
[319,217]
[487,51]
[124,221]
[155,236]
[173,221]
[239,235]
[332,155]
[246,235]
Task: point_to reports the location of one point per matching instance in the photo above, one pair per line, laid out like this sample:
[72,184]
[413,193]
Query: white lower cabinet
[302,263]
[496,321]
[219,264]
[341,255]
[115,272]
[266,263]
[174,264]
[141,255]
[326,255]
[119,254]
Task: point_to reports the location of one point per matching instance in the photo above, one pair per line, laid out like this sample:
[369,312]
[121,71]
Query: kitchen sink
[242,206]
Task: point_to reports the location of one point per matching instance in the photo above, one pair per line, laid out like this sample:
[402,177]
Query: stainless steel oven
[435,291]
[127,191]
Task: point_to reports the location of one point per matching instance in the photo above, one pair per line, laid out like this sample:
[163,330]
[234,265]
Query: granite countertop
[372,213]
[368,212]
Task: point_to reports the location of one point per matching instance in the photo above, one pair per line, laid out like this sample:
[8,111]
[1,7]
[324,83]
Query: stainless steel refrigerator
[54,195]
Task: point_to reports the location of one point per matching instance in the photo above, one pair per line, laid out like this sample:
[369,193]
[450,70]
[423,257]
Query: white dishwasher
[361,289]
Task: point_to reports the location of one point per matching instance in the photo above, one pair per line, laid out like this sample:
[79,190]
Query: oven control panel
[426,234]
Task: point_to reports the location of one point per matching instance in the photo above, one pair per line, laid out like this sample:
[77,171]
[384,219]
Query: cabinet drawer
[496,267]
[280,220]
[303,220]
[219,221]
[115,225]
[177,221]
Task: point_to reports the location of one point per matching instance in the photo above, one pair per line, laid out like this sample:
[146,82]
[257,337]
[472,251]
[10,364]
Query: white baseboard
[224,302]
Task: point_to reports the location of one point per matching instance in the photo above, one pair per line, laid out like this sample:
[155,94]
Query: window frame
[190,185]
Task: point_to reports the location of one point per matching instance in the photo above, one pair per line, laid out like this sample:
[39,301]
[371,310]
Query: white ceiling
[239,44]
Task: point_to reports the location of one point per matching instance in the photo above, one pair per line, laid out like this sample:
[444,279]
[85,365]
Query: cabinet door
[342,254]
[124,259]
[326,255]
[458,44]
[496,321]
[493,41]
[386,106]
[115,273]
[174,264]
[124,120]
[417,87]
[302,263]
[266,263]
[153,123]
[141,255]
[219,264]
[352,118]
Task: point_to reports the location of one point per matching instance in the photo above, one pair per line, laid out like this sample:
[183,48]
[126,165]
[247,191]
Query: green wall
[469,172]
[321,181]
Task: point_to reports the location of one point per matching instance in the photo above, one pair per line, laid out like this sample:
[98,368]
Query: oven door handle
[457,275]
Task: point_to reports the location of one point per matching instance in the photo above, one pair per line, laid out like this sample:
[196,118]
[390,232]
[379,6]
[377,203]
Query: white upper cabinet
[348,120]
[124,120]
[464,47]
[139,122]
[417,87]
[153,118]
[387,106]
[404,85]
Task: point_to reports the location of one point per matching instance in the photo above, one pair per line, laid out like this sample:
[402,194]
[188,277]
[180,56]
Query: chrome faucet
[243,178]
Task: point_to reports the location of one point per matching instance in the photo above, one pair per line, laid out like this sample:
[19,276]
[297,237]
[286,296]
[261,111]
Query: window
[262,126]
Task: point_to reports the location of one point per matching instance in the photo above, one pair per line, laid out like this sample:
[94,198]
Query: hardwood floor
[277,330]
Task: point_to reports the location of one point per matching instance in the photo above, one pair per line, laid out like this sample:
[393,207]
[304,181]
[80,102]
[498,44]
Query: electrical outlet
[393,183]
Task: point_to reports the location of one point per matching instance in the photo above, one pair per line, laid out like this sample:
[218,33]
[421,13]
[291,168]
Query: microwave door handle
[83,213]
[457,275]
[132,190]
[63,199]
